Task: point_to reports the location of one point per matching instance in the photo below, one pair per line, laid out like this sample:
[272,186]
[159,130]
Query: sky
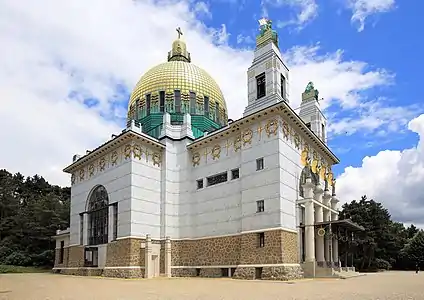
[67,69]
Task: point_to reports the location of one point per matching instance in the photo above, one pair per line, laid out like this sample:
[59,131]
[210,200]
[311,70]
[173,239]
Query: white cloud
[53,59]
[361,9]
[202,9]
[307,10]
[394,178]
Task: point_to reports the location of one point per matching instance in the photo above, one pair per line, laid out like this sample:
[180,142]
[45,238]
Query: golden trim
[114,158]
[91,170]
[127,151]
[297,141]
[304,157]
[137,151]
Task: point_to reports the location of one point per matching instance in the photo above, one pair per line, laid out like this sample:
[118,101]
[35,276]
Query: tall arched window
[98,216]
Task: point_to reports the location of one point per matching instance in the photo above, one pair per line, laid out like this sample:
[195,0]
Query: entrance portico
[321,230]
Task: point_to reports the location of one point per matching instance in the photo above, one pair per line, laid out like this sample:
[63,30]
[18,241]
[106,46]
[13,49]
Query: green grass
[19,269]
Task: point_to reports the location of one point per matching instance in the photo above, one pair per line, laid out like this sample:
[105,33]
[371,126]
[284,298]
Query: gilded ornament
[73,179]
[247,137]
[206,153]
[102,164]
[268,65]
[147,153]
[330,177]
[259,131]
[127,151]
[271,127]
[321,232]
[304,157]
[297,141]
[195,159]
[137,151]
[318,168]
[81,174]
[216,152]
[237,144]
[286,130]
[314,165]
[91,170]
[114,158]
[322,172]
[157,158]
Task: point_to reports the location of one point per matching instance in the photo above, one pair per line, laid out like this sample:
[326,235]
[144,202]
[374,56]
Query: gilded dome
[178,74]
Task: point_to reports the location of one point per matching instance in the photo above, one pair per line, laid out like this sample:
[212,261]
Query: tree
[31,210]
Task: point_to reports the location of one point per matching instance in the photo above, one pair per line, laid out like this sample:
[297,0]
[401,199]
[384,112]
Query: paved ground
[389,285]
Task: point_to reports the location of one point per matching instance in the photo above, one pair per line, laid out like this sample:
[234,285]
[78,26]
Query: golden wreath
[156,159]
[237,144]
[321,232]
[271,127]
[114,158]
[91,170]
[127,151]
[196,159]
[137,151]
[247,137]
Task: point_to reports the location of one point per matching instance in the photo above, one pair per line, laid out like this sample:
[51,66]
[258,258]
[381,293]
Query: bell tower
[268,76]
[310,112]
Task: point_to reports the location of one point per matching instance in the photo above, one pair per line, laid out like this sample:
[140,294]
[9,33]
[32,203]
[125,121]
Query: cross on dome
[180,33]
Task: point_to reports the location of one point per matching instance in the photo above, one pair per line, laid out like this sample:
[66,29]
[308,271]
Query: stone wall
[65,258]
[75,256]
[280,247]
[125,253]
[124,273]
[183,272]
[209,252]
[82,272]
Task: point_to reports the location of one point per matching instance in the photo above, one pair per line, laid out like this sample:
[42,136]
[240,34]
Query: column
[168,257]
[319,218]
[85,229]
[148,257]
[309,222]
[334,217]
[326,200]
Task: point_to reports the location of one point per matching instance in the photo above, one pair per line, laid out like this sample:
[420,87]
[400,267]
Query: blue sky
[67,72]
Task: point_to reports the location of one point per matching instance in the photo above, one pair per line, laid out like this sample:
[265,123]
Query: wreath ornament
[137,151]
[216,152]
[247,137]
[321,232]
[157,157]
[237,144]
[271,127]
[195,159]
[127,151]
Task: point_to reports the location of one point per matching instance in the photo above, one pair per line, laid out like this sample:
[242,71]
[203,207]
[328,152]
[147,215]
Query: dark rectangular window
[261,240]
[206,106]
[235,174]
[192,103]
[177,99]
[216,179]
[259,164]
[81,229]
[200,184]
[162,101]
[115,220]
[283,86]
[61,252]
[217,113]
[260,85]
[148,100]
[91,257]
[260,206]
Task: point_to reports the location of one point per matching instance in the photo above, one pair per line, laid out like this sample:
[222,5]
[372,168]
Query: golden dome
[179,74]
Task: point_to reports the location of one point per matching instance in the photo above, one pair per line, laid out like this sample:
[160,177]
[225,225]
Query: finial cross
[180,33]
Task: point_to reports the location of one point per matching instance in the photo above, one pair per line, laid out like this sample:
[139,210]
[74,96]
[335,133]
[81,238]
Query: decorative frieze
[127,152]
[268,129]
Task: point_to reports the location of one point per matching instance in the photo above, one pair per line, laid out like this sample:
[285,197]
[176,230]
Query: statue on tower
[310,88]
[266,32]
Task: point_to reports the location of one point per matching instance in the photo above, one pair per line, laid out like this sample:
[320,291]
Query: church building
[185,191]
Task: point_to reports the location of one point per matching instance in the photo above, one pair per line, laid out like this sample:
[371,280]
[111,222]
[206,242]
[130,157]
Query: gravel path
[389,285]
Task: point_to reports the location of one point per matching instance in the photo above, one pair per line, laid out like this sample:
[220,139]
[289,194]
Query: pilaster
[168,257]
[319,218]
[148,257]
[309,221]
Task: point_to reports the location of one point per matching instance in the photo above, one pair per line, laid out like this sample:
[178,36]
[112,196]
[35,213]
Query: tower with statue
[183,192]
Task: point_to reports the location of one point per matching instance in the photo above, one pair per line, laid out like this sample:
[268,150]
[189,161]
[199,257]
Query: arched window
[98,216]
